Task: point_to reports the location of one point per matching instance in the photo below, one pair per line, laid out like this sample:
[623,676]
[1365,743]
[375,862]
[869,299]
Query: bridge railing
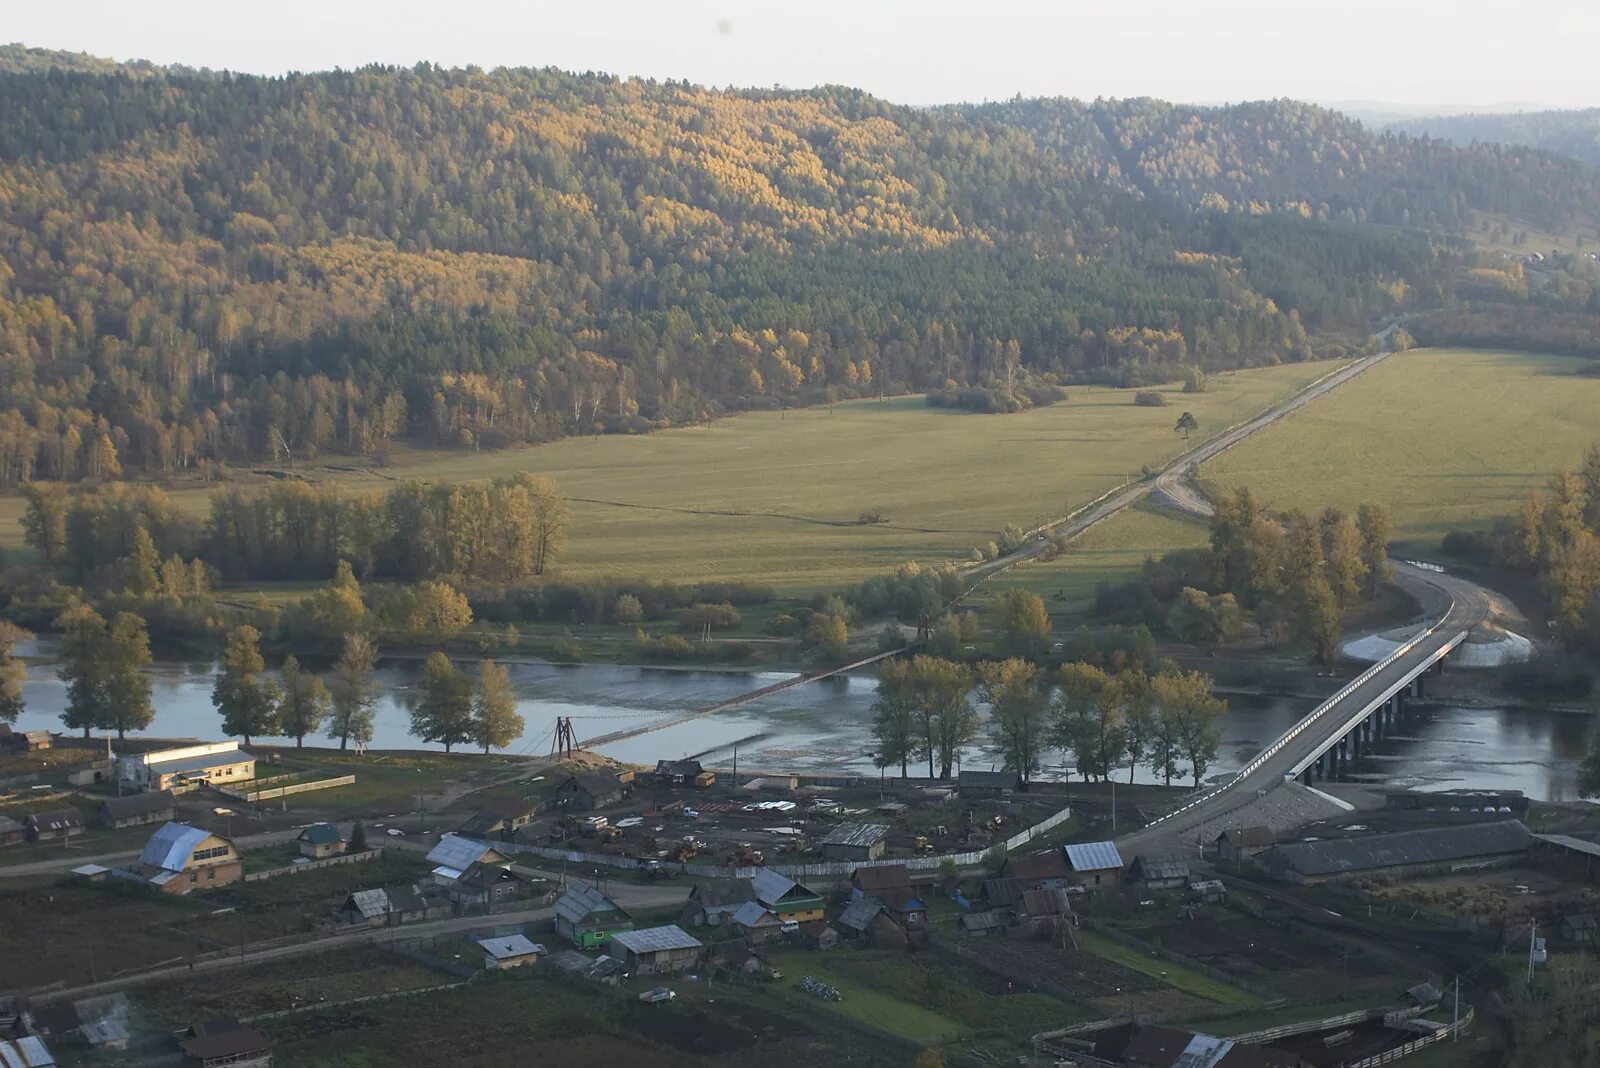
[1294,732]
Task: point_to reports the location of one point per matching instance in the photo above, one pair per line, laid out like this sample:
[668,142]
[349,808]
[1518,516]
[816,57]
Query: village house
[875,879]
[219,763]
[588,918]
[11,832]
[589,790]
[514,951]
[856,919]
[390,907]
[856,842]
[55,825]
[785,898]
[1158,872]
[225,1042]
[179,858]
[320,841]
[756,924]
[1092,862]
[515,812]
[657,950]
[982,785]
[23,741]
[710,903]
[454,855]
[486,885]
[103,1022]
[1242,843]
[1458,848]
[136,810]
[818,934]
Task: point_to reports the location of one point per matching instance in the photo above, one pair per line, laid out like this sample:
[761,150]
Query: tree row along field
[779,497]
[1446,438]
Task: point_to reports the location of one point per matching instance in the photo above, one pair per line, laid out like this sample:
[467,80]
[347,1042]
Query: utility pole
[1113,803]
[735,768]
[1533,929]
[1455,1017]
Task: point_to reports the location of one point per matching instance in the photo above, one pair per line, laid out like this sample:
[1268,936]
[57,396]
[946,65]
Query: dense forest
[201,268]
[1574,133]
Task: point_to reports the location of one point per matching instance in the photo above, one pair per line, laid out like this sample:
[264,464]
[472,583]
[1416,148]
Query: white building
[222,763]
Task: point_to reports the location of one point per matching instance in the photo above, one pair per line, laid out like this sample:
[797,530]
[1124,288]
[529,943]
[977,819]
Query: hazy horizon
[1417,57]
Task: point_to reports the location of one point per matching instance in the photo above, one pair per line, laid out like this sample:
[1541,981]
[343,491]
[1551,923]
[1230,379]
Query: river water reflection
[827,724]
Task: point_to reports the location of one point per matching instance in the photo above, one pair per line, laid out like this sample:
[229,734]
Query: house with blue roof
[179,858]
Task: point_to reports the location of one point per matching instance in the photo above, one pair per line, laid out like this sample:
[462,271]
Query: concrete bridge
[1347,725]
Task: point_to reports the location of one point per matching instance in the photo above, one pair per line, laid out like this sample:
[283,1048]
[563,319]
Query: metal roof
[90,869]
[1433,845]
[105,1019]
[371,903]
[713,895]
[752,914]
[1162,867]
[1567,841]
[770,887]
[172,845]
[454,851]
[1093,856]
[856,834]
[321,834]
[982,921]
[138,804]
[512,946]
[581,902]
[25,1053]
[182,765]
[656,939]
[9,825]
[56,818]
[860,912]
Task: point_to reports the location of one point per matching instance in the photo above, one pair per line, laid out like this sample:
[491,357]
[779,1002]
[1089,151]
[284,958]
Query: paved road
[1178,469]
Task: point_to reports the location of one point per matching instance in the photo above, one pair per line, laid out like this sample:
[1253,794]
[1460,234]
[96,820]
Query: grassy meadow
[775,497]
[1447,438]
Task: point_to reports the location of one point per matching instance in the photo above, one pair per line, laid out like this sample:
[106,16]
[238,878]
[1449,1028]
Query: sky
[1410,54]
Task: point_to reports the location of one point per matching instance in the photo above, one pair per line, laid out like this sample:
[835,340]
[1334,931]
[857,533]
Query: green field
[1170,972]
[775,497]
[1447,438]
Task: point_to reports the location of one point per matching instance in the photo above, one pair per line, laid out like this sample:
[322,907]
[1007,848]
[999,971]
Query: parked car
[660,993]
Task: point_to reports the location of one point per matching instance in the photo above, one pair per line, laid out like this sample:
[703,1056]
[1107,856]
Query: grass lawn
[775,497]
[384,779]
[1169,972]
[1445,437]
[861,1000]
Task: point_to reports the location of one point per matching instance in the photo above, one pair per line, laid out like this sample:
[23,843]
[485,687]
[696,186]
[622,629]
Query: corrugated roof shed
[510,947]
[1162,867]
[1093,856]
[856,834]
[26,1052]
[983,921]
[657,939]
[121,808]
[55,819]
[171,846]
[859,913]
[1434,845]
[105,1019]
[371,903]
[1567,841]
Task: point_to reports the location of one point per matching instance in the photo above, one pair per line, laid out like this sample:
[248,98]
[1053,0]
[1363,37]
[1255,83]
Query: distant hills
[1570,133]
[201,268]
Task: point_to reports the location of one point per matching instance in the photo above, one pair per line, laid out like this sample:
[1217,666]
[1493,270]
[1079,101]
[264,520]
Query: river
[826,725]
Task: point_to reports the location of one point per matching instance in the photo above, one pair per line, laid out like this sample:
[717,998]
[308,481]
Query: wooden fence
[1392,1055]
[313,865]
[253,795]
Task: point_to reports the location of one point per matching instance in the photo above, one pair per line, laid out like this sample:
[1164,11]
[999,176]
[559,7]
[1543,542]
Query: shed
[1579,928]
[225,1041]
[53,825]
[11,832]
[710,903]
[1159,872]
[515,811]
[990,922]
[26,1052]
[1574,855]
[857,917]
[156,806]
[1242,843]
[23,741]
[1093,861]
[818,934]
[658,950]
[602,969]
[683,773]
[1004,893]
[977,785]
[855,842]
[588,918]
[92,873]
[482,824]
[878,878]
[321,840]
[1458,848]
[1208,890]
[512,951]
[589,790]
[1052,902]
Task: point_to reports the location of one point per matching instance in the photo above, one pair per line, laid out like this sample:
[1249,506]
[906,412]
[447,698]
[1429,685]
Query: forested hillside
[1570,133]
[199,268]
